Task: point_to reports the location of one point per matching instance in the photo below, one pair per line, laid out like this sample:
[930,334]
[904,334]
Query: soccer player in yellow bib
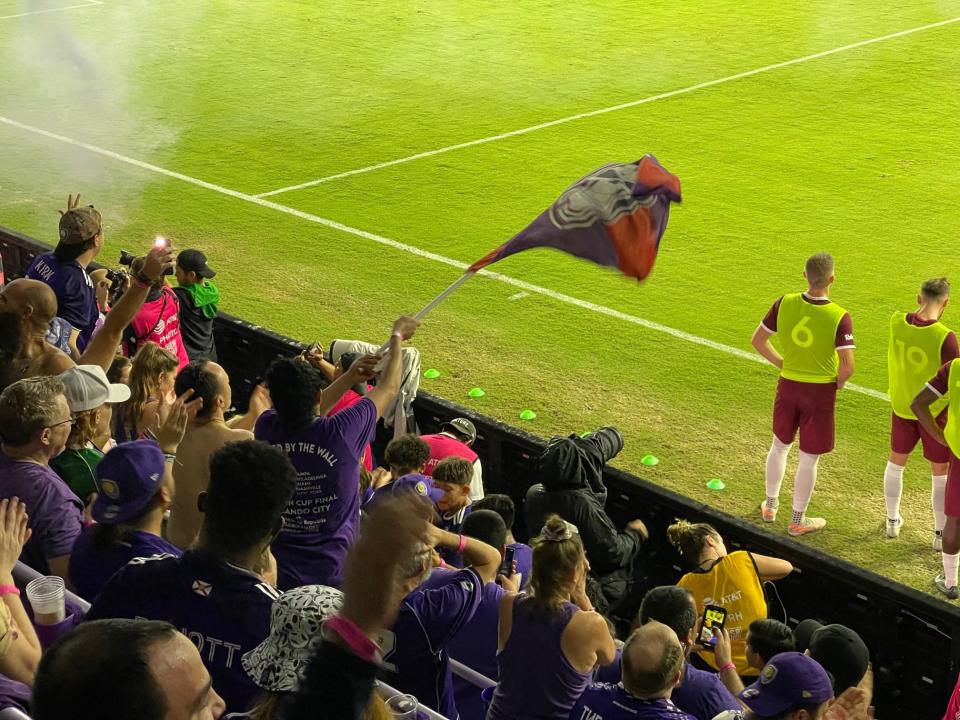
[946,384]
[816,336]
[919,345]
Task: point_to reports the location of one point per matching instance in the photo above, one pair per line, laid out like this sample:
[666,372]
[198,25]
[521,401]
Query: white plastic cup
[46,596]
[403,707]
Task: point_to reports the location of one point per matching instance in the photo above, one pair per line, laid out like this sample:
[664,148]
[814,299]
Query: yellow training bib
[808,337]
[913,357]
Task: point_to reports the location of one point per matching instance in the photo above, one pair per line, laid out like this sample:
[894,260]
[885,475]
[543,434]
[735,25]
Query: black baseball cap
[840,651]
[195,261]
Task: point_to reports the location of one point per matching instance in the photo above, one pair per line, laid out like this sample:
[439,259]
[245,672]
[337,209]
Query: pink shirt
[443,446]
[158,321]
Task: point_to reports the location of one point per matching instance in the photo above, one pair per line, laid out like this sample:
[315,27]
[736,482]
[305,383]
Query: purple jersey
[415,649]
[475,645]
[703,694]
[90,567]
[222,608]
[76,298]
[523,557]
[55,513]
[604,701]
[14,694]
[321,520]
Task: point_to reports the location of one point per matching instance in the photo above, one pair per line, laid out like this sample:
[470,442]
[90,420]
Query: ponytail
[689,538]
[557,555]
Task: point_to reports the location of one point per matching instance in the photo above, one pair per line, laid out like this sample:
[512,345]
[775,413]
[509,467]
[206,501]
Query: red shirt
[953,707]
[844,339]
[158,321]
[443,446]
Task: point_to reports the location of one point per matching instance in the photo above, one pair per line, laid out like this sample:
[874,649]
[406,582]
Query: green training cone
[650,460]
[476,392]
[432,373]
[528,415]
[716,484]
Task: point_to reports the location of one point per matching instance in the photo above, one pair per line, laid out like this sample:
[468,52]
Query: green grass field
[855,152]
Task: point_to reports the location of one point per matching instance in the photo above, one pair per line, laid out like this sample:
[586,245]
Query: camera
[127,258]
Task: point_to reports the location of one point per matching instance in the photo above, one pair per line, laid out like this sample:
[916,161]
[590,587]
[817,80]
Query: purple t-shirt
[222,608]
[453,523]
[475,645]
[14,694]
[415,649]
[90,568]
[321,520]
[55,513]
[523,557]
[604,701]
[700,693]
[76,297]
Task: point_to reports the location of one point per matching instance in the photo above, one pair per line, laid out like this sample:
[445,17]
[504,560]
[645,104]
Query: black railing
[914,638]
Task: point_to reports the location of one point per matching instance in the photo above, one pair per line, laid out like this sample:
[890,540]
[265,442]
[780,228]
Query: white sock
[805,481]
[937,493]
[950,563]
[893,489]
[776,467]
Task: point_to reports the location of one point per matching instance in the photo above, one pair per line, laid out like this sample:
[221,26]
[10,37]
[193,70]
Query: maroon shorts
[904,435]
[951,500]
[809,408]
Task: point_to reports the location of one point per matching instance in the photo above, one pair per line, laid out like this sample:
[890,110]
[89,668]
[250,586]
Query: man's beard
[11,336]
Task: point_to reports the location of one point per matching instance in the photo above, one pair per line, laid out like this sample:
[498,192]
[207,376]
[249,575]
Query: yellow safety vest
[733,583]
[808,337]
[913,357]
[952,431]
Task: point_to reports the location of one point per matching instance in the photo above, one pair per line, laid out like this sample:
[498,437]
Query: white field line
[89,3]
[612,108]
[521,284]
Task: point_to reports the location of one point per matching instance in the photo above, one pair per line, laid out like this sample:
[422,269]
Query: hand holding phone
[714,616]
[506,567]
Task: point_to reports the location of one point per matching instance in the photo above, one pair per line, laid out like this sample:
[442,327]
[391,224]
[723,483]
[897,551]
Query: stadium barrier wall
[914,638]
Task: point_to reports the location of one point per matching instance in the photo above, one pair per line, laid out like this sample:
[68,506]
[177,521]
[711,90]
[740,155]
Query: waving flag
[615,216]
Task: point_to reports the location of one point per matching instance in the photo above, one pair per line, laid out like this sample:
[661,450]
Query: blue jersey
[222,608]
[415,649]
[603,701]
[76,298]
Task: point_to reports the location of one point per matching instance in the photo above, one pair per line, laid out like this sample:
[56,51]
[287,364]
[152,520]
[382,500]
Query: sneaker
[893,527]
[806,526]
[768,514]
[952,593]
[938,541]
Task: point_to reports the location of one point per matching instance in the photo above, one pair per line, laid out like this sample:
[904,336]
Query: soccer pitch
[428,133]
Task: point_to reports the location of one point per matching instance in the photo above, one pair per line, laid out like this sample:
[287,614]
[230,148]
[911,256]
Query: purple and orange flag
[615,216]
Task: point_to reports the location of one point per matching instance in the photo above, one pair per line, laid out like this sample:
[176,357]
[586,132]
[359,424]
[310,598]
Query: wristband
[397,335]
[728,666]
[463,544]
[9,590]
[362,646]
[170,457]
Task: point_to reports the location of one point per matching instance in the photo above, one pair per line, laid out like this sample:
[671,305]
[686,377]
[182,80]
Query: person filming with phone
[732,582]
[158,320]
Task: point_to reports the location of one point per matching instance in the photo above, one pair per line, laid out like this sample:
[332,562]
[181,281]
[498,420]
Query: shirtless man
[28,306]
[206,433]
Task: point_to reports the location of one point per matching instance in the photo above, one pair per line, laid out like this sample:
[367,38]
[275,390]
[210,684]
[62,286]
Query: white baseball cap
[87,388]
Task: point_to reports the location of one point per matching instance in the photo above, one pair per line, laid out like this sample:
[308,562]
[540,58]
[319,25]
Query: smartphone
[160,241]
[506,568]
[714,616]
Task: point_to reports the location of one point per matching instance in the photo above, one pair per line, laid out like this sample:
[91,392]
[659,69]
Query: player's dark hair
[196,376]
[454,470]
[935,289]
[770,637]
[670,605]
[251,483]
[406,454]
[100,669]
[487,526]
[294,386]
[500,504]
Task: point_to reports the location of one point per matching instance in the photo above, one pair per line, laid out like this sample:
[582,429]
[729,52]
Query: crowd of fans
[268,566]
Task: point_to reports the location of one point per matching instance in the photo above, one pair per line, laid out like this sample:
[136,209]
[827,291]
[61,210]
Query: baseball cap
[421,484]
[463,427]
[277,664]
[80,225]
[840,651]
[195,261]
[87,388]
[788,680]
[128,477]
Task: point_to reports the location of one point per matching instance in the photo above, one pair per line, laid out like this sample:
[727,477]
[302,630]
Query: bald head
[32,300]
[652,661]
